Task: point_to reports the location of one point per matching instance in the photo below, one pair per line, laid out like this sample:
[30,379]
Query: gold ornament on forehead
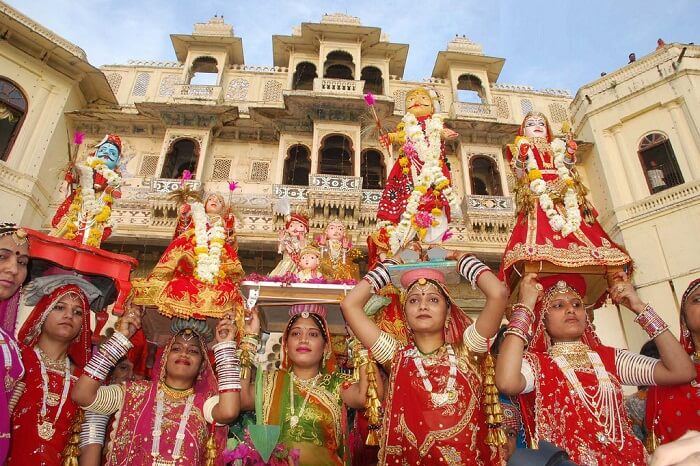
[423,286]
[20,237]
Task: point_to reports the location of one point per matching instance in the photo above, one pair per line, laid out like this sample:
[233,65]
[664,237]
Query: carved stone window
[400,100]
[259,171]
[221,170]
[204,71]
[372,76]
[335,156]
[659,162]
[297,166]
[502,109]
[13,108]
[141,84]
[237,89]
[182,155]
[558,113]
[114,80]
[167,85]
[148,165]
[273,91]
[526,106]
[470,89]
[339,65]
[372,169]
[484,176]
[304,75]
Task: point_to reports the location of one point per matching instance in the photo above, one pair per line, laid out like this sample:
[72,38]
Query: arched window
[339,65]
[470,89]
[335,156]
[297,166]
[484,176]
[372,169]
[303,79]
[659,162]
[372,76]
[204,71]
[13,107]
[183,155]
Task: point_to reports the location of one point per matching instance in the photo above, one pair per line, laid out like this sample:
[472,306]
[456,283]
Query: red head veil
[80,349]
[686,337]
[318,314]
[553,285]
[458,321]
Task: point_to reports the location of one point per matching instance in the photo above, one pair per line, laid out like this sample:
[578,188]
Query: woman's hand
[252,322]
[130,322]
[226,329]
[530,290]
[623,292]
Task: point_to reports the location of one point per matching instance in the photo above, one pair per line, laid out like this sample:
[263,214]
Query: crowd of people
[559,384]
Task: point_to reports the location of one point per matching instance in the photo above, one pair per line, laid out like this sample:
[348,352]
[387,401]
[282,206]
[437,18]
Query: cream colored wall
[33,168]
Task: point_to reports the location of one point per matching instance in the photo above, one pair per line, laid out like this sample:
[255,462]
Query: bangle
[518,333]
[228,366]
[107,356]
[93,429]
[474,340]
[470,268]
[525,308]
[378,277]
[520,323]
[651,322]
[384,348]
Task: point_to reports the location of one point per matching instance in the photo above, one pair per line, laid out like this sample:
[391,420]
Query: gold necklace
[175,393]
[58,365]
[308,386]
[696,356]
[575,353]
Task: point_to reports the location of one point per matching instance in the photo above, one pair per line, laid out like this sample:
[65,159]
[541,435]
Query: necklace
[175,393]
[308,386]
[602,404]
[157,429]
[575,352]
[449,395]
[696,356]
[6,344]
[46,428]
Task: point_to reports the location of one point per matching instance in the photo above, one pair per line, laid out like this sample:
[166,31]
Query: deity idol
[197,275]
[337,253]
[292,241]
[418,197]
[309,264]
[555,223]
[84,215]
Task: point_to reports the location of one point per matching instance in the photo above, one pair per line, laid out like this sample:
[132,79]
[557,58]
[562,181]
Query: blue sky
[546,44]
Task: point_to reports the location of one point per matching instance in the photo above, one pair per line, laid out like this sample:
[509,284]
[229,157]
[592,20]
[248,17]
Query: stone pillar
[611,159]
[690,159]
[633,170]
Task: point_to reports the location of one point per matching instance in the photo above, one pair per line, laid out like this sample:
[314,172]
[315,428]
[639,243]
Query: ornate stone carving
[464,45]
[340,18]
[114,80]
[502,109]
[141,84]
[237,89]
[273,91]
[167,85]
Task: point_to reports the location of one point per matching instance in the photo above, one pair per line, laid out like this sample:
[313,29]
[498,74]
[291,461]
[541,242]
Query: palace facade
[298,129]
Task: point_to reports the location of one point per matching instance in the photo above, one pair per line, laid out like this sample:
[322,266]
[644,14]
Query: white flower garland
[427,147]
[208,244]
[538,186]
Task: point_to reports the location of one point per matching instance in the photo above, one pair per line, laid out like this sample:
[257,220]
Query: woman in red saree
[14,258]
[197,275]
[434,413]
[555,222]
[674,410]
[569,382]
[306,397]
[55,341]
[166,421]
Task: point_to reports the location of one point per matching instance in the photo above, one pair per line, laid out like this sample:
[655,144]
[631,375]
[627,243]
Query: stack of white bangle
[228,366]
[470,268]
[107,356]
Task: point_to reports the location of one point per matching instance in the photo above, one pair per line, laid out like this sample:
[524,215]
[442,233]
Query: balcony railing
[339,86]
[167,185]
[473,110]
[335,183]
[197,92]
[488,205]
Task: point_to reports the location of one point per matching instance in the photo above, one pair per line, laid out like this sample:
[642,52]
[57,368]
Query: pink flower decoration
[447,235]
[186,175]
[78,138]
[369,99]
[232,185]
[424,219]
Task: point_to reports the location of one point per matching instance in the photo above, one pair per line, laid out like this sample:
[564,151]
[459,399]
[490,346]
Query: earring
[447,322]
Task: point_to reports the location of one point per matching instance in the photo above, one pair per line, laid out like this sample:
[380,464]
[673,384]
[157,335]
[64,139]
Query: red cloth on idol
[399,187]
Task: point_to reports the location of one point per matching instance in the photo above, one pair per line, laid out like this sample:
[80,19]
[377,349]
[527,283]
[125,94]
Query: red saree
[417,432]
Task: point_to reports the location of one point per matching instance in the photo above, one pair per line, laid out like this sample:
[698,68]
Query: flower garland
[538,186]
[427,148]
[208,245]
[91,211]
